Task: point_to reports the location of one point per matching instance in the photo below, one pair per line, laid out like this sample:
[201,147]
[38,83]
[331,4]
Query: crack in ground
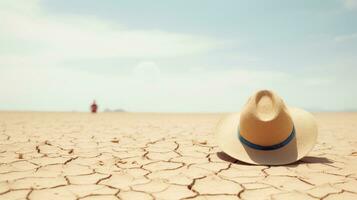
[70,160]
[102,179]
[28,194]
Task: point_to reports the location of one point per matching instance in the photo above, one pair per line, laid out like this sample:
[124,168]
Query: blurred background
[176,56]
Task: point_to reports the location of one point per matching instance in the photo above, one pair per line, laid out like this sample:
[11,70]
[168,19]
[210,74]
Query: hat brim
[297,148]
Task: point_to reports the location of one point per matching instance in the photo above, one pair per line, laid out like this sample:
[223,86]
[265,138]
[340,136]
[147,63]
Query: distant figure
[94,107]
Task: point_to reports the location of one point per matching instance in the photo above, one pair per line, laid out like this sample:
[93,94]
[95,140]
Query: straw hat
[266,132]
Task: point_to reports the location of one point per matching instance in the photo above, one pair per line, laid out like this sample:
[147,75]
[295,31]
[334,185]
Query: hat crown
[265,120]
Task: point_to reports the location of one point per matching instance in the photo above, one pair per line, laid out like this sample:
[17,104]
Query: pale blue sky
[176,56]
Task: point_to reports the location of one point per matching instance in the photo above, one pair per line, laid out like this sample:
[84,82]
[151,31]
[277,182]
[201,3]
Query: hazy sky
[176,56]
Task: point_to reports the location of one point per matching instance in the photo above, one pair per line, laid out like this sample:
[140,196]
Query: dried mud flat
[161,156]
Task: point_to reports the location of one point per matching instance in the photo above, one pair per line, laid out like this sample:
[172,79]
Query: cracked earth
[161,156]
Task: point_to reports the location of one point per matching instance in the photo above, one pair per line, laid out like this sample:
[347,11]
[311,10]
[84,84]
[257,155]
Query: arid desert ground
[161,156]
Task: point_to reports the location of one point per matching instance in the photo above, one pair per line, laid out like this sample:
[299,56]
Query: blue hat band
[267,148]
